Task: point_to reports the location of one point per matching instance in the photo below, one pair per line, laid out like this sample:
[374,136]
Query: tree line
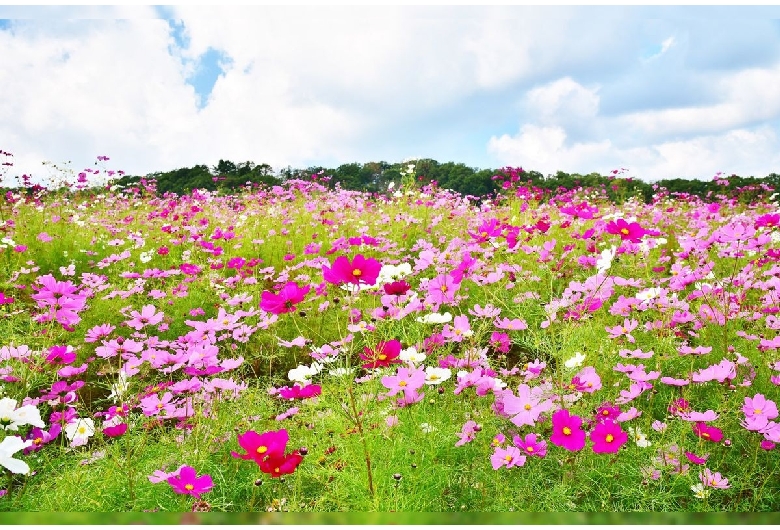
[378,177]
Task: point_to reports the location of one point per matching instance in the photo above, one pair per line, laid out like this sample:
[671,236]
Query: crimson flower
[285,300]
[627,231]
[188,483]
[385,354]
[567,431]
[281,465]
[397,288]
[359,270]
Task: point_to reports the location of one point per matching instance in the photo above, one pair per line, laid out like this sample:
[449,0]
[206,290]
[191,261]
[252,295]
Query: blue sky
[664,92]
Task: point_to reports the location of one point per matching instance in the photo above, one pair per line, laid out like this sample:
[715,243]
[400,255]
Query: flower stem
[359,425]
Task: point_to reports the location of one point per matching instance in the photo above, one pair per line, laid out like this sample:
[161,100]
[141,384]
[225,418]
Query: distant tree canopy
[376,177]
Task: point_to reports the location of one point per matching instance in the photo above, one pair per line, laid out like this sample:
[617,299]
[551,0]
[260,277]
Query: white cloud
[309,85]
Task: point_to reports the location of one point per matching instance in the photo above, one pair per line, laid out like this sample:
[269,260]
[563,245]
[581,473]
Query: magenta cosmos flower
[627,231]
[285,301]
[607,437]
[385,354]
[359,270]
[702,430]
[189,483]
[567,431]
[260,447]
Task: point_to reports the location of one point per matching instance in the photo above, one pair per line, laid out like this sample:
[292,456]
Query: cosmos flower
[187,482]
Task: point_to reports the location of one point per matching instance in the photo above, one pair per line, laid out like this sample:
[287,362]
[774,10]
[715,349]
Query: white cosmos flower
[411,355]
[605,261]
[435,375]
[575,361]
[79,431]
[648,294]
[12,418]
[303,374]
[435,318]
[8,447]
[639,437]
[699,491]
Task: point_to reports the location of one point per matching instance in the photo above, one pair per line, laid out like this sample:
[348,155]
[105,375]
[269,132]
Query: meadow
[299,349]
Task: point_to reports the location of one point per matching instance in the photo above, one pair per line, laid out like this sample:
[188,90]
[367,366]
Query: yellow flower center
[402,383]
[566,431]
[443,288]
[189,487]
[508,458]
[530,448]
[605,413]
[382,357]
[757,411]
[609,438]
[276,470]
[38,441]
[527,406]
[705,435]
[357,272]
[624,231]
[262,449]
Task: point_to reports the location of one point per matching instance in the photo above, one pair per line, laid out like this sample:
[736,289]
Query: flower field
[299,349]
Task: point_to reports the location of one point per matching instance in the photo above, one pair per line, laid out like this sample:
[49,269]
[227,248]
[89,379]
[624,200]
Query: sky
[655,92]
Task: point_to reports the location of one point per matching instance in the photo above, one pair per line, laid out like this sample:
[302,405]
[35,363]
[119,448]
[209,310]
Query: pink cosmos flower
[532,445]
[509,457]
[526,406]
[147,317]
[285,300]
[607,411]
[586,380]
[260,447]
[298,392]
[702,430]
[627,231]
[758,405]
[442,289]
[607,437]
[500,342]
[406,380]
[460,329]
[567,431]
[385,354]
[713,480]
[153,405]
[694,459]
[360,270]
[188,483]
[624,330]
[467,433]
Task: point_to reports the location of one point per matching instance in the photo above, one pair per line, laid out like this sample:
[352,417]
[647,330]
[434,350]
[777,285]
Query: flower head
[385,354]
[260,447]
[607,437]
[9,446]
[567,431]
[285,300]
[627,231]
[360,270]
[189,483]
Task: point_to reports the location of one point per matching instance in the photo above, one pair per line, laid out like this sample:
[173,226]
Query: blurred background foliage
[388,518]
